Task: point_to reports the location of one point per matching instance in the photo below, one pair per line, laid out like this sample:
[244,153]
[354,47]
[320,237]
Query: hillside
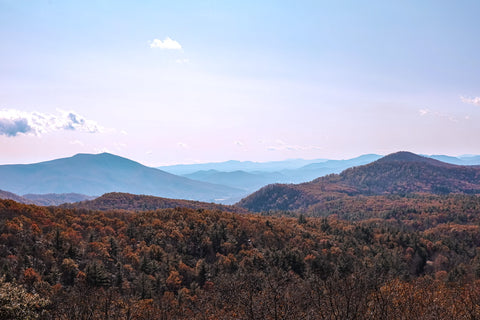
[126,201]
[96,174]
[398,173]
[183,263]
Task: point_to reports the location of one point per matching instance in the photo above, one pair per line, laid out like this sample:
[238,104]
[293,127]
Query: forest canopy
[203,264]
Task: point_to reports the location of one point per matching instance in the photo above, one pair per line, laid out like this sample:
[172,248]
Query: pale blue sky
[253,80]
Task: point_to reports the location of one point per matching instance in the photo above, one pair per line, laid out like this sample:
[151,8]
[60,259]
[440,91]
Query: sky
[168,82]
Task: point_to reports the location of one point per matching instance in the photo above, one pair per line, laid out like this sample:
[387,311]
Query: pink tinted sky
[184,82]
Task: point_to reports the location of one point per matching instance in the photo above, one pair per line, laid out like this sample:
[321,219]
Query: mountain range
[96,174]
[250,176]
[48,199]
[250,181]
[234,165]
[398,173]
[86,176]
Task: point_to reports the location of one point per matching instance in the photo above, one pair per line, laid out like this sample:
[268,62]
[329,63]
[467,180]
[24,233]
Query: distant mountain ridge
[12,196]
[55,199]
[247,181]
[96,174]
[235,165]
[251,181]
[250,176]
[398,173]
[49,199]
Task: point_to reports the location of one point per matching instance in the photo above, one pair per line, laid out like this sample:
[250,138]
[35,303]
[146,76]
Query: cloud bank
[475,101]
[167,44]
[14,122]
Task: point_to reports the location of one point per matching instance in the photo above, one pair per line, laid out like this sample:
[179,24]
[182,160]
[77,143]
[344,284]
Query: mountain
[127,201]
[398,173]
[253,180]
[467,160]
[13,196]
[96,174]
[50,199]
[234,165]
[237,179]
[470,159]
[55,199]
[318,169]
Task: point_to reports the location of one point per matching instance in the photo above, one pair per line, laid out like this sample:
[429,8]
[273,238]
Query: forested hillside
[396,174]
[201,264]
[135,202]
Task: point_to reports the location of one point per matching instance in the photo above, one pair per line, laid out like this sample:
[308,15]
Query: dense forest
[385,257]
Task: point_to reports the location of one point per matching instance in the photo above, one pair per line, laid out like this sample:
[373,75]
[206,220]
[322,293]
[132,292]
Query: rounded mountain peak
[404,156]
[409,157]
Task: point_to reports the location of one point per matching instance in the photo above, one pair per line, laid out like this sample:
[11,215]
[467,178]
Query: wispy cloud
[475,101]
[428,112]
[14,122]
[167,44]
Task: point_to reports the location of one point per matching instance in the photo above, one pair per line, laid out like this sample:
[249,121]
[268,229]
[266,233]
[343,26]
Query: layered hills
[250,179]
[398,173]
[96,174]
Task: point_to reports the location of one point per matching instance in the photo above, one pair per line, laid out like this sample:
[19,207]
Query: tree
[17,303]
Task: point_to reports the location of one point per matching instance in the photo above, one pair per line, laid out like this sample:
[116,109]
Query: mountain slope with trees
[398,173]
[134,202]
[181,263]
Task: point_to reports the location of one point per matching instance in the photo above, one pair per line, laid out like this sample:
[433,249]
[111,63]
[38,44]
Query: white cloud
[475,101]
[167,44]
[239,143]
[182,145]
[14,122]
